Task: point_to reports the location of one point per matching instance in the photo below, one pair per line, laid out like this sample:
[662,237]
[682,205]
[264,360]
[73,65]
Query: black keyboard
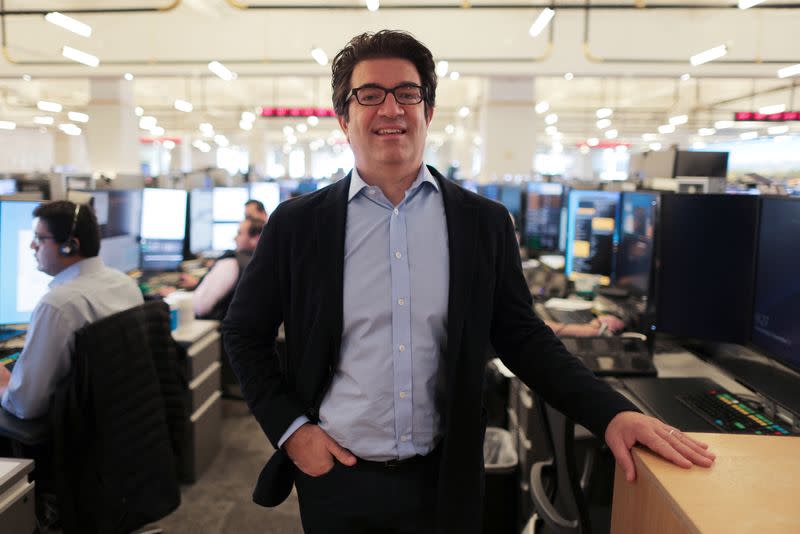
[730,414]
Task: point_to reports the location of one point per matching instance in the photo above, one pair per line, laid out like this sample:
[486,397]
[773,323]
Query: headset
[70,246]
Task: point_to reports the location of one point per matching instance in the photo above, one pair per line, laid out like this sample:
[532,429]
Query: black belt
[397,463]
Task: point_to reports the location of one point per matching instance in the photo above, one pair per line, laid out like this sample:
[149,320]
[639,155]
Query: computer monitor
[306,186]
[469,185]
[229,203]
[21,283]
[268,193]
[201,220]
[163,228]
[511,198]
[543,217]
[8,186]
[591,229]
[223,235]
[706,266]
[776,306]
[118,215]
[634,253]
[700,163]
[490,191]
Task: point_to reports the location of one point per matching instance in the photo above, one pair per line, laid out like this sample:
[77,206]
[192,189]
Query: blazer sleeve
[530,349]
[251,327]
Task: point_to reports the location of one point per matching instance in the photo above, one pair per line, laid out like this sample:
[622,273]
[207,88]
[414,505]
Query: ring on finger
[672,431]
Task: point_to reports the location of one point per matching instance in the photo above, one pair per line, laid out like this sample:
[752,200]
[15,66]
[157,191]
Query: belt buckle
[393,463]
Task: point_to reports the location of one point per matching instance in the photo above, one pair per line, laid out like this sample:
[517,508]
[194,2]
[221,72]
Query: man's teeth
[386,132]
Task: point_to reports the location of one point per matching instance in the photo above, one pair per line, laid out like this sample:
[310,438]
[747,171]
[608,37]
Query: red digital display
[297,112]
[748,116]
[148,140]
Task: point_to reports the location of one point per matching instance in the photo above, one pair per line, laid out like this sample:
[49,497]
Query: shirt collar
[357,184]
[85,266]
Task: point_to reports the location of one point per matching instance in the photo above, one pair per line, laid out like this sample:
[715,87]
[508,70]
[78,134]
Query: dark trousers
[370,497]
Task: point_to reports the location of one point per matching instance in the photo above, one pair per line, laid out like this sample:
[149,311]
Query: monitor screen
[269,193]
[164,214]
[229,203]
[118,214]
[201,220]
[511,198]
[691,163]
[21,282]
[542,216]
[223,236]
[776,313]
[306,186]
[592,224]
[8,186]
[706,266]
[634,255]
[490,191]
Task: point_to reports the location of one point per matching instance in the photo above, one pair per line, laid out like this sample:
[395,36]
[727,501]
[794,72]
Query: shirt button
[372,191]
[403,438]
[401,348]
[396,211]
[403,394]
[398,255]
[401,302]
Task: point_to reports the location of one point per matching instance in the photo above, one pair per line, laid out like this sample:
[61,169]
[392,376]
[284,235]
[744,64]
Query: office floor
[220,502]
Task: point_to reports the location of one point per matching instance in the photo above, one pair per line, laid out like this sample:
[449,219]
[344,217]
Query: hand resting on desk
[629,428]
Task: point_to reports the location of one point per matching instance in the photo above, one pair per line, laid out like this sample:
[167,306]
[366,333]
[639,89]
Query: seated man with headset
[66,242]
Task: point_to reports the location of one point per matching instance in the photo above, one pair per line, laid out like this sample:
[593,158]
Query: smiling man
[392,285]
[66,241]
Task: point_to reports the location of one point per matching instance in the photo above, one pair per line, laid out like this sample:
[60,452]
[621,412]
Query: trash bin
[501,493]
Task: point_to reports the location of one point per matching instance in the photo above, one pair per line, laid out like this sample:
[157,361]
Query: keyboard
[7,334]
[612,356]
[728,413]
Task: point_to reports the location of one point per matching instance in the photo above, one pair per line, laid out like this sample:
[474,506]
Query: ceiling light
[568,76]
[541,21]
[245,125]
[463,112]
[746,136]
[201,145]
[441,67]
[128,76]
[709,55]
[373,5]
[449,129]
[655,146]
[183,105]
[69,129]
[319,56]
[43,120]
[78,117]
[770,110]
[686,77]
[622,148]
[593,141]
[313,120]
[603,123]
[288,130]
[666,128]
[747,4]
[7,125]
[558,148]
[455,75]
[551,130]
[542,107]
[706,131]
[206,127]
[777,130]
[584,149]
[81,57]
[649,137]
[786,72]
[147,122]
[678,119]
[26,77]
[169,144]
[699,144]
[604,113]
[551,119]
[721,125]
[221,140]
[302,128]
[68,23]
[139,111]
[248,116]
[224,72]
[52,107]
[611,134]
[157,131]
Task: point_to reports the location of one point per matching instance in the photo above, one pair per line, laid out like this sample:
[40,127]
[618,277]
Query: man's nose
[390,107]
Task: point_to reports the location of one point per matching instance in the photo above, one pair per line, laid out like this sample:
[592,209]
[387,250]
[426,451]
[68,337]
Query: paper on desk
[568,304]
[6,466]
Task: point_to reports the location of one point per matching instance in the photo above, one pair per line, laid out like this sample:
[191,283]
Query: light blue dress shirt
[381,402]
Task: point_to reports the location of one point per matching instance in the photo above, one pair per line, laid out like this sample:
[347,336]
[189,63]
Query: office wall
[26,150]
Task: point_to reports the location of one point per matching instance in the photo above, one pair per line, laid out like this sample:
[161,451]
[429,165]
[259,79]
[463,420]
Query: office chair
[557,488]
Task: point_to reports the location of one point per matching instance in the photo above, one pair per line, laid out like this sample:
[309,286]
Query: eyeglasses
[374,95]
[37,239]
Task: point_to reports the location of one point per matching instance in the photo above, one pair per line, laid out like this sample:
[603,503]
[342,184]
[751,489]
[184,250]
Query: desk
[752,487]
[17,503]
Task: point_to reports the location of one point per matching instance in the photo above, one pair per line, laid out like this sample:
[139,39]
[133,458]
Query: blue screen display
[592,225]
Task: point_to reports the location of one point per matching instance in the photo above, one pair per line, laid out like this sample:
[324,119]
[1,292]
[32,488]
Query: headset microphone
[70,246]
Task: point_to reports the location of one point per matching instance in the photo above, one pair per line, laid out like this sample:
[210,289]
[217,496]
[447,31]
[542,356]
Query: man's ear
[429,113]
[343,126]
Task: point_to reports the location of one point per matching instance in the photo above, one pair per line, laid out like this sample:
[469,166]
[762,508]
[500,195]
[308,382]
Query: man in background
[255,209]
[66,242]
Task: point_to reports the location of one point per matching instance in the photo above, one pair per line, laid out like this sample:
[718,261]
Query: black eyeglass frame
[422,92]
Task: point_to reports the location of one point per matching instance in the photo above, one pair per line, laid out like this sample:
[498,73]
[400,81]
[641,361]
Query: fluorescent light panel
[44,121]
[787,72]
[81,57]
[747,4]
[221,71]
[441,67]
[769,110]
[52,107]
[709,55]
[319,56]
[777,130]
[541,21]
[68,23]
[183,105]
[604,113]
[78,117]
[678,119]
[7,125]
[373,5]
[542,107]
[603,123]
[666,128]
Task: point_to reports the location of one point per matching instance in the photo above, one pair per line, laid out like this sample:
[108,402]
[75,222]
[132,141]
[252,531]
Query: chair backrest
[563,509]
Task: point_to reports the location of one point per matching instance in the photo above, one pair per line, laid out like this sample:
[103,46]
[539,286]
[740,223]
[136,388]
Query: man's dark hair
[258,204]
[386,44]
[58,217]
[255,227]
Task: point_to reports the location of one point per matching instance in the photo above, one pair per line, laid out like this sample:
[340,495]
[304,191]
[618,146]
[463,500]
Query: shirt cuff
[297,423]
